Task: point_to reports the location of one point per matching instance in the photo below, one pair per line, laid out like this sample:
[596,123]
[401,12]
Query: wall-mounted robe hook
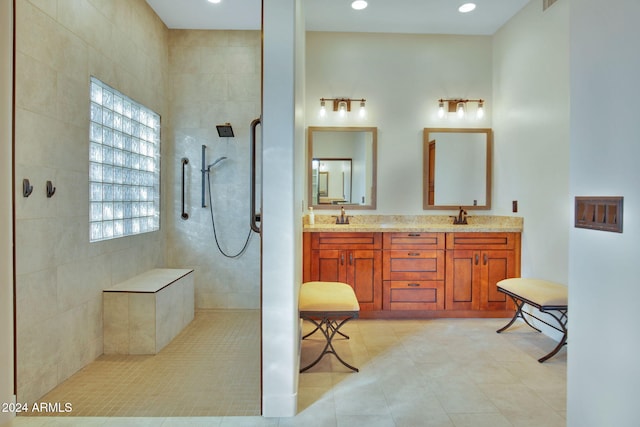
[51,190]
[27,188]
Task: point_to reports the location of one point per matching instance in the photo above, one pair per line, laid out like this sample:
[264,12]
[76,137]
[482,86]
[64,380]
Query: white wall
[401,76]
[531,137]
[6,213]
[604,374]
[531,124]
[282,136]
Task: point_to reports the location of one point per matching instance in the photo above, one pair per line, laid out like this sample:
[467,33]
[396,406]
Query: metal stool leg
[519,304]
[562,321]
[329,328]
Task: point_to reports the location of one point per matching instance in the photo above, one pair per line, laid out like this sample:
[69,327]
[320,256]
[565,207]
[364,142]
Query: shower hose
[215,235]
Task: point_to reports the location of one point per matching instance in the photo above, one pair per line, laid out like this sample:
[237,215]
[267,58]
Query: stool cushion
[541,292]
[327,296]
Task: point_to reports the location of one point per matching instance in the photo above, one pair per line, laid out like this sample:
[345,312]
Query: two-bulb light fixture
[459,107]
[342,106]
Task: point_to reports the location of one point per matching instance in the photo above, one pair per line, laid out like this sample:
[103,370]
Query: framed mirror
[342,167]
[457,168]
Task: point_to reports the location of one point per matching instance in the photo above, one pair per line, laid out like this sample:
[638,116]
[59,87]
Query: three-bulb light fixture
[459,107]
[342,106]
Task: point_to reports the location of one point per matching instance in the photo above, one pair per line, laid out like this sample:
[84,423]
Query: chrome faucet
[343,218]
[461,219]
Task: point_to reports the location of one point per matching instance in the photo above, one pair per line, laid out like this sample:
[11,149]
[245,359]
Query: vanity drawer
[477,241]
[414,240]
[413,265]
[413,295]
[346,240]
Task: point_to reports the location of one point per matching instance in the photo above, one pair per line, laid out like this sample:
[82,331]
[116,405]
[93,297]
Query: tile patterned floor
[211,368]
[413,373]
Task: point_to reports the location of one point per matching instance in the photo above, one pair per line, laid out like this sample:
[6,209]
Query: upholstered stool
[548,297]
[328,305]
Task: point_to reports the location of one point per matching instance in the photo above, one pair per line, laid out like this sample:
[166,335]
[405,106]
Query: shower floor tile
[212,368]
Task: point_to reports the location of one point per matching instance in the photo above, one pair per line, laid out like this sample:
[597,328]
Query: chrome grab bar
[185,162]
[254,218]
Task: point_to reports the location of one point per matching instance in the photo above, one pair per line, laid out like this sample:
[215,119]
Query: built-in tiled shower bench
[143,314]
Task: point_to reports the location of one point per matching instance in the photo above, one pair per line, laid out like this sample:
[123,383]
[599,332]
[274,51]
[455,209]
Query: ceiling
[392,16]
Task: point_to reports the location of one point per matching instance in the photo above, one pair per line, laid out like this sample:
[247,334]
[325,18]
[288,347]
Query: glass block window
[124,165]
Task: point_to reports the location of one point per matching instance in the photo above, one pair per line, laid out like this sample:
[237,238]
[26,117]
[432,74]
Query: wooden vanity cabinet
[353,258]
[397,274]
[413,271]
[475,263]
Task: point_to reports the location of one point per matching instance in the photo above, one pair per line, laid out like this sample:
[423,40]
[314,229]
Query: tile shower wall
[215,79]
[60,275]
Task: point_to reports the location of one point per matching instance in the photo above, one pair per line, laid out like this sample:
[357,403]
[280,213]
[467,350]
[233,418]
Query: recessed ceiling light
[359,4]
[214,1]
[467,7]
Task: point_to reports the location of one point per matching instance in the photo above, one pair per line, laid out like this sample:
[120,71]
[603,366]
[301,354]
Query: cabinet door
[363,274]
[461,284]
[328,265]
[496,265]
[472,278]
[358,268]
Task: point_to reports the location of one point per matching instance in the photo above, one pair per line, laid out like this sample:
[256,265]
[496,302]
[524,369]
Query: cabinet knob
[350,258]
[413,254]
[342,258]
[484,259]
[477,259]
[414,234]
[413,285]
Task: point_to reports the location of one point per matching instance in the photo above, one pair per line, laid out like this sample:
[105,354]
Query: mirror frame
[374,166]
[425,168]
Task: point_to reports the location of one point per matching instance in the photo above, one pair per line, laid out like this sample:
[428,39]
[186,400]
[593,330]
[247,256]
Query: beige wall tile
[142,323]
[36,85]
[226,89]
[116,322]
[60,45]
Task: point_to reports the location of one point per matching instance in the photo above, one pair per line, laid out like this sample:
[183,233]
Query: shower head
[215,162]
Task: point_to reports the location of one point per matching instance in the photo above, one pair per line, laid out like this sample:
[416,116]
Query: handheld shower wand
[206,169]
[216,161]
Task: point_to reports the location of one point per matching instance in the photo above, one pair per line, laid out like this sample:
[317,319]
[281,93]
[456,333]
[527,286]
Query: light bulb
[342,108]
[214,1]
[441,110]
[323,109]
[480,112]
[460,109]
[363,111]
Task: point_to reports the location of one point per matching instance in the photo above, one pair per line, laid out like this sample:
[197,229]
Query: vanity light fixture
[342,106]
[459,106]
[359,4]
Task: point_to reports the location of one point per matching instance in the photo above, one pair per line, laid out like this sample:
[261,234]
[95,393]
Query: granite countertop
[415,223]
